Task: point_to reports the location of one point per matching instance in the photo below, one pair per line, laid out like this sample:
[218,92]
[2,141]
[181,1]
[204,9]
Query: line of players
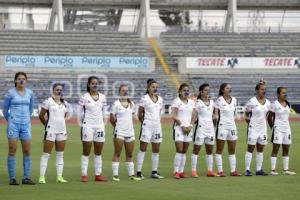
[214,123]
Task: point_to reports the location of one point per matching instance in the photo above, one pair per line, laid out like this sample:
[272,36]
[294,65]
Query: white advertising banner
[242,62]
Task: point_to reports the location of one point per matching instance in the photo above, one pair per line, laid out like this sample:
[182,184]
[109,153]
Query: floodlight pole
[57,12]
[144,26]
[231,17]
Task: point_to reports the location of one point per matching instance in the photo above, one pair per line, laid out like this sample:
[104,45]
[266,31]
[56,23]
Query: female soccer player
[281,131]
[121,117]
[93,105]
[149,114]
[226,129]
[204,131]
[256,113]
[56,109]
[184,114]
[17,108]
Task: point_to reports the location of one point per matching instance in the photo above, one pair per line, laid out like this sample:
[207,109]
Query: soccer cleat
[176,175]
[183,175]
[274,173]
[61,179]
[248,173]
[194,174]
[116,178]
[287,172]
[100,178]
[42,180]
[211,174]
[235,173]
[140,175]
[27,181]
[13,182]
[134,178]
[221,174]
[156,175]
[84,179]
[261,173]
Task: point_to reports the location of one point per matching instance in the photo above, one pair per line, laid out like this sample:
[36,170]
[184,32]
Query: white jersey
[205,114]
[152,110]
[226,113]
[124,118]
[56,116]
[93,110]
[258,113]
[281,118]
[185,111]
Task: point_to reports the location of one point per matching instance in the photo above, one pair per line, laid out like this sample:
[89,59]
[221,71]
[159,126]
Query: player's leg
[274,154]
[285,157]
[219,150]
[129,147]
[194,159]
[183,160]
[98,146]
[60,148]
[47,148]
[145,137]
[118,144]
[86,150]
[26,162]
[251,142]
[178,158]
[232,157]
[209,145]
[155,159]
[12,149]
[260,159]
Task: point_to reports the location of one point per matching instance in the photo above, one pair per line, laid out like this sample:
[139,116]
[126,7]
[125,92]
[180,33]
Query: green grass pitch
[281,187]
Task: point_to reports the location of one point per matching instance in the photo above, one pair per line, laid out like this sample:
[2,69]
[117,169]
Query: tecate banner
[20,61]
[242,62]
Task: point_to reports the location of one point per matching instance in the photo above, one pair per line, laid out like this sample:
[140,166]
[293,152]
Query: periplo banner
[19,61]
[242,62]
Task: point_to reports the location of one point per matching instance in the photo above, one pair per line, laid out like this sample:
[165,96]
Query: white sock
[259,160]
[182,163]
[273,163]
[209,162]
[98,164]
[155,161]
[177,161]
[219,162]
[232,162]
[115,168]
[130,168]
[59,163]
[194,159]
[84,165]
[44,163]
[140,160]
[248,159]
[285,160]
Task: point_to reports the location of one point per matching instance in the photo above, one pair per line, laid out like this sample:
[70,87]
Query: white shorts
[257,136]
[127,139]
[179,136]
[226,134]
[92,134]
[55,136]
[280,137]
[151,134]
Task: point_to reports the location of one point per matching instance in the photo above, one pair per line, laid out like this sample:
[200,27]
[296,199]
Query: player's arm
[194,118]
[42,116]
[141,112]
[216,116]
[6,105]
[113,119]
[31,105]
[247,116]
[270,118]
[175,116]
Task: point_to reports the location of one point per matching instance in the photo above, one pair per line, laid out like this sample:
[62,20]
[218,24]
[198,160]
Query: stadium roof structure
[196,4]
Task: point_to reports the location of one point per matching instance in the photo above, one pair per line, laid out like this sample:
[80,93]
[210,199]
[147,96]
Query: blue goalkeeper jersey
[18,108]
